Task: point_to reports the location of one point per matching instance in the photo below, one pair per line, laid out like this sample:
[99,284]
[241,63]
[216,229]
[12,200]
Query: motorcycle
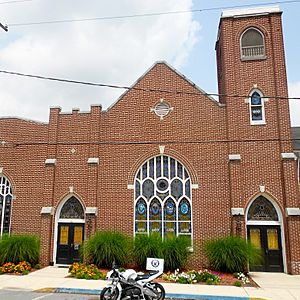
[130,285]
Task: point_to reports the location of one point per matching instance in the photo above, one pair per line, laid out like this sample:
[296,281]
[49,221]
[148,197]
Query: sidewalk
[273,286]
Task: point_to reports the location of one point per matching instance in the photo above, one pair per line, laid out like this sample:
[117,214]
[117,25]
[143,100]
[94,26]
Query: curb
[168,295]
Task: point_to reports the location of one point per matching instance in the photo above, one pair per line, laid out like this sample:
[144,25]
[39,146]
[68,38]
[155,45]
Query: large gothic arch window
[163,198]
[5,205]
[252,44]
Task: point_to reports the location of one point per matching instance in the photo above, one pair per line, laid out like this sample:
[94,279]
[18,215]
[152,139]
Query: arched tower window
[163,198]
[257,108]
[262,210]
[72,209]
[252,44]
[5,205]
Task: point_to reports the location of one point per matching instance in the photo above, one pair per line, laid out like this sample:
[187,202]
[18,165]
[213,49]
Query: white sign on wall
[155,264]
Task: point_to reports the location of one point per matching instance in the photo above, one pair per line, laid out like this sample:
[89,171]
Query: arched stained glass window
[257,108]
[252,44]
[262,210]
[163,198]
[5,205]
[72,209]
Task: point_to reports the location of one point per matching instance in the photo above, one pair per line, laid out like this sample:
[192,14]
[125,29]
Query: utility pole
[4,27]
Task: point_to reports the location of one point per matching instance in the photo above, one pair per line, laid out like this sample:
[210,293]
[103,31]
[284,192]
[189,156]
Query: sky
[115,51]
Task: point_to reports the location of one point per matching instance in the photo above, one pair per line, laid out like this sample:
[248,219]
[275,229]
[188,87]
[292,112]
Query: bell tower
[251,73]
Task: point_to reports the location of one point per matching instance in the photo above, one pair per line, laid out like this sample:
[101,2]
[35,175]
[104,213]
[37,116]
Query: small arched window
[252,44]
[262,210]
[5,205]
[257,108]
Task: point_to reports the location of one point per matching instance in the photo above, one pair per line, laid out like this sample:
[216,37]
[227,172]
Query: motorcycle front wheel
[159,290]
[109,293]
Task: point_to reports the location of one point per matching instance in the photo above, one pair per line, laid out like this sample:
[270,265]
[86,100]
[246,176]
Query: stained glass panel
[141,210]
[255,237]
[272,239]
[148,189]
[137,189]
[72,209]
[262,209]
[166,166]
[176,188]
[5,205]
[170,210]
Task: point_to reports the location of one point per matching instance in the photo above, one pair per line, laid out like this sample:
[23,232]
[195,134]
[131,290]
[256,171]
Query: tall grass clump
[175,252]
[231,254]
[18,248]
[106,247]
[147,246]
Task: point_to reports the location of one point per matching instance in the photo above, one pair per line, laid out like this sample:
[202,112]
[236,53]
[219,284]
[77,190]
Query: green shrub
[231,254]
[237,283]
[106,247]
[147,246]
[175,252]
[18,248]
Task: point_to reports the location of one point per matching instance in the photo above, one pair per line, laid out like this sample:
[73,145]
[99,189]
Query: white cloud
[294,91]
[110,51]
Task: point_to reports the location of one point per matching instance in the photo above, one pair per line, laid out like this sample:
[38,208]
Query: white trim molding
[237,211]
[47,210]
[293,211]
[234,157]
[288,155]
[93,160]
[50,161]
[1,170]
[195,186]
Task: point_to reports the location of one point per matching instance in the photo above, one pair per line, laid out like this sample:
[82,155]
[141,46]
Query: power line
[114,86]
[16,1]
[149,14]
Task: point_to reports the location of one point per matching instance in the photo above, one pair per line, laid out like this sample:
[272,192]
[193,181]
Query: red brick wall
[199,132]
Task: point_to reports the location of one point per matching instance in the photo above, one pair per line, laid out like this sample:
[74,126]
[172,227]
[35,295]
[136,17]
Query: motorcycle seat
[145,276]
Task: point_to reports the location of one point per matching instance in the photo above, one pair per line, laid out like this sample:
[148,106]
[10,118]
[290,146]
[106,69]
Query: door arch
[69,231]
[265,231]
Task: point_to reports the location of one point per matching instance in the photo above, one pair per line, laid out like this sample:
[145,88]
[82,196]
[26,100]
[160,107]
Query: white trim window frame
[257,108]
[255,51]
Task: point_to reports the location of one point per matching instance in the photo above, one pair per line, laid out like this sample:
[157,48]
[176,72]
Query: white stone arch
[69,220]
[280,222]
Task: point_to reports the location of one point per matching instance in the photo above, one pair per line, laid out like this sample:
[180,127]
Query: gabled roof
[173,70]
[296,138]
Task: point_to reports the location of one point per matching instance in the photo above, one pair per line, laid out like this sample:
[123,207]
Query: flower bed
[83,271]
[22,268]
[208,277]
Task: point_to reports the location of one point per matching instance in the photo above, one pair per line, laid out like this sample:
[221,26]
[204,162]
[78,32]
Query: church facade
[167,158]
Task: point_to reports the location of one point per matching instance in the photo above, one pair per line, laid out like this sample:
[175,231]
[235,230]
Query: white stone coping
[234,156]
[251,11]
[47,210]
[289,155]
[50,161]
[93,160]
[293,211]
[237,211]
[91,211]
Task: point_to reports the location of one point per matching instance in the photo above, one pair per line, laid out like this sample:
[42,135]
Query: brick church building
[167,158]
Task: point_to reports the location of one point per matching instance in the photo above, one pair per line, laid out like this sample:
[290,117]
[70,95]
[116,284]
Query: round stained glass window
[184,208]
[141,208]
[162,185]
[170,208]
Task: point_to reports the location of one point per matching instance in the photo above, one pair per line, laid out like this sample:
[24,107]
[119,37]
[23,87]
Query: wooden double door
[69,240]
[268,239]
